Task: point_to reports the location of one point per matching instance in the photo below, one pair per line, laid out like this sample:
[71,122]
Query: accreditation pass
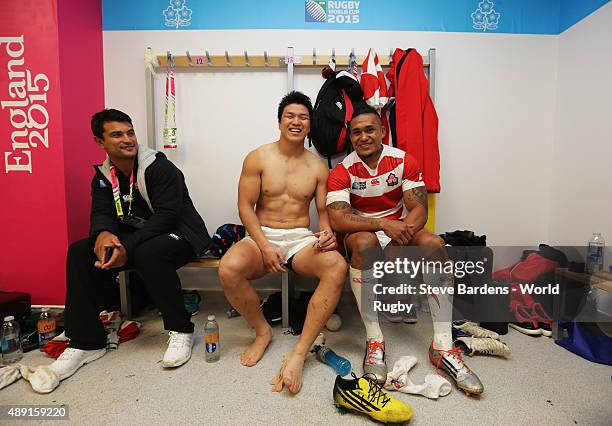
[34,412]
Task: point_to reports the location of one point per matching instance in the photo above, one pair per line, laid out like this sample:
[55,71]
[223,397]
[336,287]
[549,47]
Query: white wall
[582,160]
[495,95]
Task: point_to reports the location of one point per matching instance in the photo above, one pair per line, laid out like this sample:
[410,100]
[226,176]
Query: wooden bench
[205,262]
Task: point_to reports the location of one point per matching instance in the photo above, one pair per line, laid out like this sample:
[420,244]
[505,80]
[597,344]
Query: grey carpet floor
[541,384]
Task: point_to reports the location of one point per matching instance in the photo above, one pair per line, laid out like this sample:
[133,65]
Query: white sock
[441,307]
[397,379]
[359,279]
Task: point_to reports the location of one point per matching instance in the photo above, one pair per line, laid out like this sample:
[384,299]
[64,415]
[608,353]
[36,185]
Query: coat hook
[208,61]
[228,62]
[151,60]
[266,63]
[314,56]
[246,59]
[333,53]
[390,55]
[189,58]
[168,59]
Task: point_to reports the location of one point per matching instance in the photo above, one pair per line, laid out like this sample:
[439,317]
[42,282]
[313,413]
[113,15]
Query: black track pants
[156,261]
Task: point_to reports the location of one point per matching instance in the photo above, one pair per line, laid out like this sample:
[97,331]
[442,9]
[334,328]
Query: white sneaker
[179,349]
[72,359]
[484,346]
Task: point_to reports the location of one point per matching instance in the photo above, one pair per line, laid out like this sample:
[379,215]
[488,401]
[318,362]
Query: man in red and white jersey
[377,197]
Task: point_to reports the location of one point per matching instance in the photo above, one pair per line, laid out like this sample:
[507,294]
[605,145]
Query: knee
[231,270]
[358,244]
[433,241]
[334,268]
[79,249]
[142,257]
[362,241]
[434,247]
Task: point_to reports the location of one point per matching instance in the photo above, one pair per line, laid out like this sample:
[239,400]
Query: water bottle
[46,327]
[329,357]
[11,341]
[595,253]
[211,340]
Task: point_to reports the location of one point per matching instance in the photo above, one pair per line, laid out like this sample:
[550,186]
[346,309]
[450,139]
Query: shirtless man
[277,184]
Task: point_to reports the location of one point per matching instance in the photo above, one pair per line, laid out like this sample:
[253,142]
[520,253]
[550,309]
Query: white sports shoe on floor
[484,346]
[475,330]
[72,359]
[179,349]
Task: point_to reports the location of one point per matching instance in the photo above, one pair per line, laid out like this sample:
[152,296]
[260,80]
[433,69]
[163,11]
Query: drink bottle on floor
[46,327]
[329,357]
[211,340]
[11,341]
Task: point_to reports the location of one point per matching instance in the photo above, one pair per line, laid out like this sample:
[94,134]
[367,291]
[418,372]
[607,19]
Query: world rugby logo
[315,11]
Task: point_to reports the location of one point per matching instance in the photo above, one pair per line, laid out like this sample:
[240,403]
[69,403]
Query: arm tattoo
[360,219]
[350,214]
[339,205]
[420,194]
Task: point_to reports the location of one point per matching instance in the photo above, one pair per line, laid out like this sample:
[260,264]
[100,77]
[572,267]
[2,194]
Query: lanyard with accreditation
[128,219]
[117,193]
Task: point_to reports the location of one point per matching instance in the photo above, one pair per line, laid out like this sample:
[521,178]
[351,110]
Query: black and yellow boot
[365,395]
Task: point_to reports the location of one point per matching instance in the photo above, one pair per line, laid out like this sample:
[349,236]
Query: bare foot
[290,374]
[253,353]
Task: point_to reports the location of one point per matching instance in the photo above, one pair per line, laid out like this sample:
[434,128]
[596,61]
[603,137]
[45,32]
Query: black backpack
[339,96]
[273,311]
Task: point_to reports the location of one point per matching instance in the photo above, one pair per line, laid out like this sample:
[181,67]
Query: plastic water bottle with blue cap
[329,357]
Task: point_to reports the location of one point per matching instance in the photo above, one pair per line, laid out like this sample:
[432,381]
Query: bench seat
[203,262]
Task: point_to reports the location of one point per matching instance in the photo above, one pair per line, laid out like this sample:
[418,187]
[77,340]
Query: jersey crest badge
[392,180]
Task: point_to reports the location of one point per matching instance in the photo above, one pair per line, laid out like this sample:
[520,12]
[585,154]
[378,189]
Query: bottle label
[9,336]
[594,258]
[595,249]
[211,347]
[211,337]
[46,325]
[43,338]
[9,343]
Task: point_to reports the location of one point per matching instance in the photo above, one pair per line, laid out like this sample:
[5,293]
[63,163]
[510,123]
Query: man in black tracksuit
[142,218]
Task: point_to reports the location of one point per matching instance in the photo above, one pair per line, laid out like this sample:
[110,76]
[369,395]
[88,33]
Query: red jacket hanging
[416,121]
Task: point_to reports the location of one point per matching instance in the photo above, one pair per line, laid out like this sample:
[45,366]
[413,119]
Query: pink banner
[32,187]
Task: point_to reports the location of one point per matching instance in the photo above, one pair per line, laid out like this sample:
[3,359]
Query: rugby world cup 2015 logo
[315,11]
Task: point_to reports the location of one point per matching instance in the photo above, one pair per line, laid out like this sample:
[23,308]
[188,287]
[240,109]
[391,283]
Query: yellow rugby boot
[365,395]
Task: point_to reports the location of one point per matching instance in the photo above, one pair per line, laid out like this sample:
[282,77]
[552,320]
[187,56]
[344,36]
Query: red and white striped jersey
[373,82]
[375,193]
